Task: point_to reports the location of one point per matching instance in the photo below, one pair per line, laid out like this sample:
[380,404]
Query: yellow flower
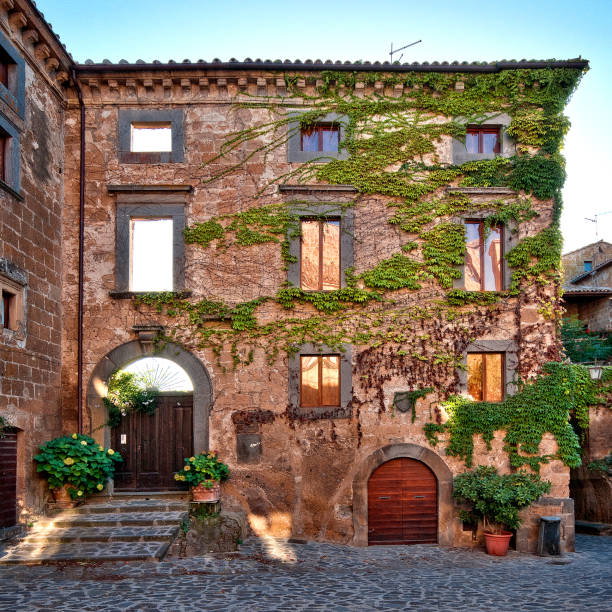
[183,478]
[110,451]
[101,448]
[99,487]
[68,460]
[192,459]
[75,436]
[79,493]
[83,443]
[187,468]
[177,477]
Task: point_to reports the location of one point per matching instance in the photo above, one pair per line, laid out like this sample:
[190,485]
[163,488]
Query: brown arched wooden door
[402,503]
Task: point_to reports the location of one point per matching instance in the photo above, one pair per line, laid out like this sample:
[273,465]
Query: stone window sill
[129,295]
[6,187]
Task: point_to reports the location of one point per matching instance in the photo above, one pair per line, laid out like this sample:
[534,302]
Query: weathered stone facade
[309,476]
[31,206]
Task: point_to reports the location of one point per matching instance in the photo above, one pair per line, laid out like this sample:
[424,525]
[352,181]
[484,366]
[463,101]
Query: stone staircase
[111,530]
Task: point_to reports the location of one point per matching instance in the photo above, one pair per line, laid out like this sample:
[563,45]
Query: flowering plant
[205,468]
[78,461]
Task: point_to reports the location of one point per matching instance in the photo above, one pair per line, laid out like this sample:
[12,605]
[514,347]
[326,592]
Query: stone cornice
[39,45]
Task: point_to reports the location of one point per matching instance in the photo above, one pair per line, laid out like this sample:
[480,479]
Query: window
[150,248]
[12,76]
[485,376]
[5,63]
[320,255]
[151,255]
[11,304]
[484,257]
[3,148]
[150,136]
[588,266]
[482,139]
[320,137]
[319,380]
[318,142]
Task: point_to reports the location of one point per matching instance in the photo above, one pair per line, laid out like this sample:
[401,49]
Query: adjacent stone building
[330,267]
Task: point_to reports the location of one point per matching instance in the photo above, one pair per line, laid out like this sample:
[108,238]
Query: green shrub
[77,460]
[203,468]
[497,498]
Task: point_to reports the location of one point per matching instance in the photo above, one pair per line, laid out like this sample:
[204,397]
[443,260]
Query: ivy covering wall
[394,149]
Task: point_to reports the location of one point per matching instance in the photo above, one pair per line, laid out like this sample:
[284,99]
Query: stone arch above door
[96,413]
[412,451]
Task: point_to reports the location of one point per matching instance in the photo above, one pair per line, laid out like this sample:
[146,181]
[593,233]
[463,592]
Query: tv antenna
[401,49]
[595,220]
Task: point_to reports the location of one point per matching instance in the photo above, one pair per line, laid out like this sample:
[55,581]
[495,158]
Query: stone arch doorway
[96,413]
[431,461]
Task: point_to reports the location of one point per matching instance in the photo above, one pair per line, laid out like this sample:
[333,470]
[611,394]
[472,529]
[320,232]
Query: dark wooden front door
[154,446]
[402,503]
[8,479]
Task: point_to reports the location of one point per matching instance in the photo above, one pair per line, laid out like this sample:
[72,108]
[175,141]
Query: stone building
[330,268]
[587,289]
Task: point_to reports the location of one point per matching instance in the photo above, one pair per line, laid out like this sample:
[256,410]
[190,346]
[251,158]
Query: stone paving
[276,575]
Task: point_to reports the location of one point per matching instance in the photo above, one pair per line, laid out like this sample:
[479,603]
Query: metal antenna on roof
[595,220]
[401,49]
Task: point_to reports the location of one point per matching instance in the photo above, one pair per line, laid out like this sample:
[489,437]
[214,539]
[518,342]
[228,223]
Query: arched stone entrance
[412,451]
[96,414]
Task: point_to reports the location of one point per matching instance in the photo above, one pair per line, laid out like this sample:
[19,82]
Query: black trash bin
[549,540]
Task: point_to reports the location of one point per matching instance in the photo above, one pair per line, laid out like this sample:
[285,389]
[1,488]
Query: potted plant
[497,499]
[204,473]
[75,466]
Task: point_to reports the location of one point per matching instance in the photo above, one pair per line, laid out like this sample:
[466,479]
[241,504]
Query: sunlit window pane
[472,257]
[330,139]
[310,140]
[151,137]
[474,369]
[493,260]
[310,381]
[494,388]
[330,395]
[309,273]
[331,255]
[151,255]
[471,142]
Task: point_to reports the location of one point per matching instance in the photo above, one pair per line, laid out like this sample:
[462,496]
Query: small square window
[320,255]
[151,137]
[11,304]
[151,255]
[320,137]
[485,376]
[588,266]
[319,381]
[482,139]
[484,257]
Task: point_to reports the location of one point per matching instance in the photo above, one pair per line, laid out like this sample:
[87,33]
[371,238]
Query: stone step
[103,534]
[109,519]
[85,551]
[131,506]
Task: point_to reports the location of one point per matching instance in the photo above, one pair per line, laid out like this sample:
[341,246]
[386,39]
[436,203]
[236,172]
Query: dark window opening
[6,63]
[6,309]
[482,139]
[322,137]
[4,147]
[320,255]
[319,380]
[484,257]
[485,376]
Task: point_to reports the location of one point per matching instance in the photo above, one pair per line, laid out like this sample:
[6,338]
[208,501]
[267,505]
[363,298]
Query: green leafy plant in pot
[76,466]
[496,499]
[204,473]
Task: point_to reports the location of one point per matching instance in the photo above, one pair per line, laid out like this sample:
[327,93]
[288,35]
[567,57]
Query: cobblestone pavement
[282,576]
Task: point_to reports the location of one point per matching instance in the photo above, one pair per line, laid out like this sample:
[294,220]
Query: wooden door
[153,446]
[402,503]
[8,479]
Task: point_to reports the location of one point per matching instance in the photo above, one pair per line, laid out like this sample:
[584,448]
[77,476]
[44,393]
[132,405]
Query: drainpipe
[81,243]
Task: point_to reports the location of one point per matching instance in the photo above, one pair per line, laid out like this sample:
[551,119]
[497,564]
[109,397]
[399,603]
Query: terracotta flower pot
[497,544]
[62,497]
[202,494]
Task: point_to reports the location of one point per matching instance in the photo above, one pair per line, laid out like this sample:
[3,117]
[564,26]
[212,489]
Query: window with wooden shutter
[484,257]
[485,376]
[320,255]
[319,380]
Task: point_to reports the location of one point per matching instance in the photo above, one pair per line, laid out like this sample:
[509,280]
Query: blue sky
[357,30]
